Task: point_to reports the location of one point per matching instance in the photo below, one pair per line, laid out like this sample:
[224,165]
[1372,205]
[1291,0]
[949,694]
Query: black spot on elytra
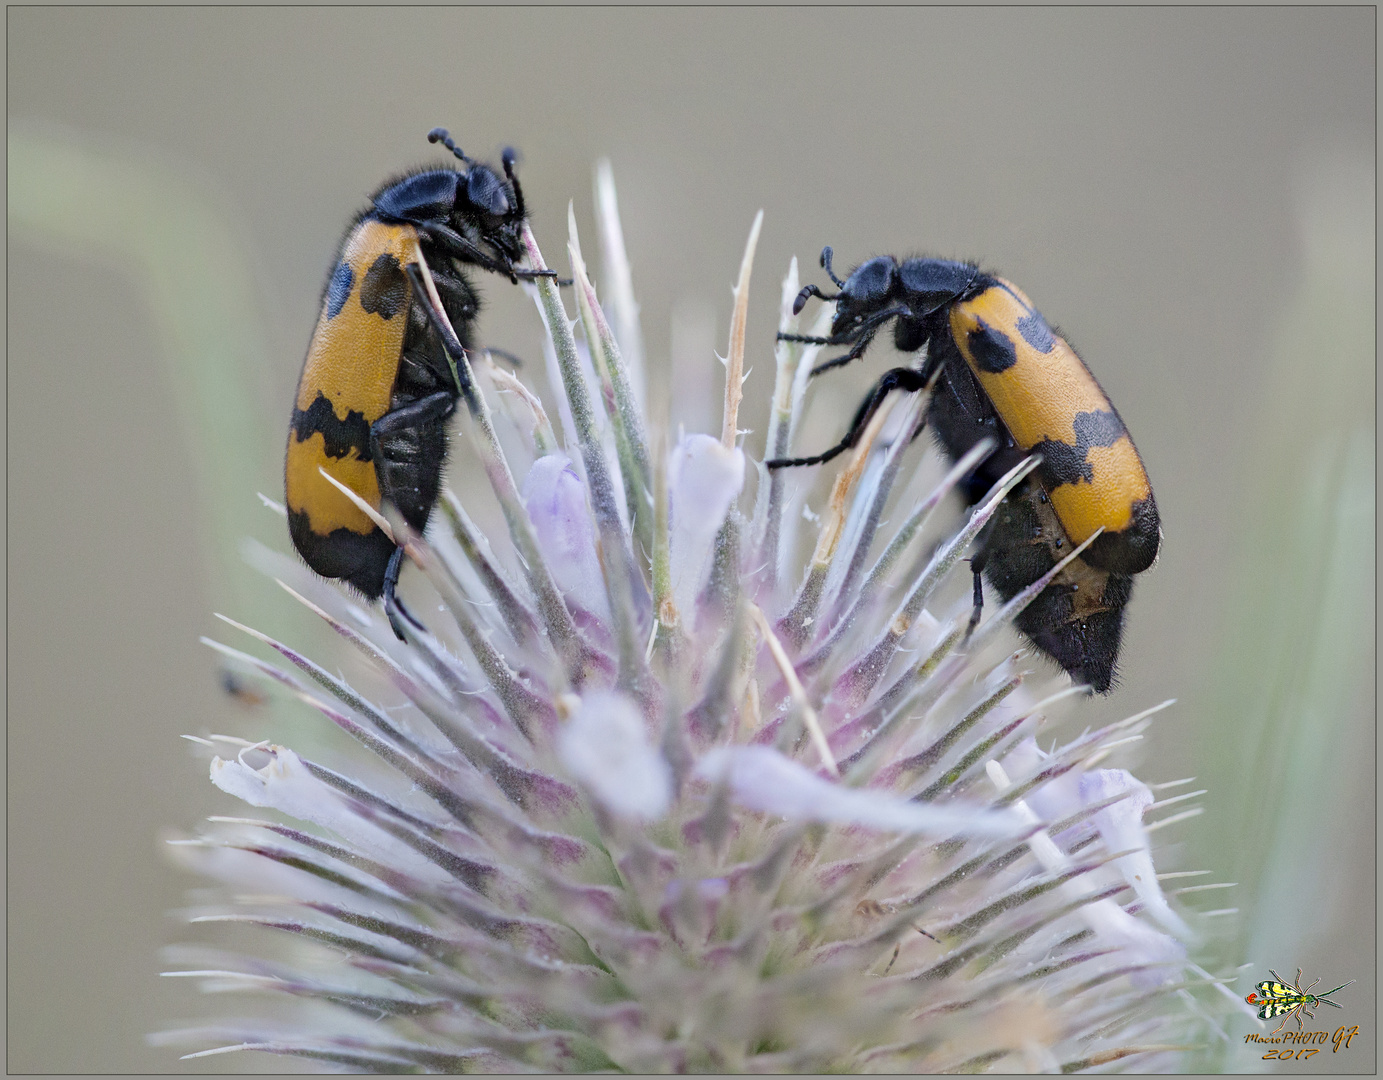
[339,289]
[1036,332]
[384,289]
[339,436]
[1100,428]
[1063,463]
[991,348]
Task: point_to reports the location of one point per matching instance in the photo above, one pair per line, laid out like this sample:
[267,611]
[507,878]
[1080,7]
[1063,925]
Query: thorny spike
[619,280]
[617,558]
[795,625]
[515,613]
[621,407]
[577,656]
[861,677]
[792,365]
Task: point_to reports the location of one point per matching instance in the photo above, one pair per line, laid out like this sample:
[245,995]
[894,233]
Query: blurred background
[1188,194]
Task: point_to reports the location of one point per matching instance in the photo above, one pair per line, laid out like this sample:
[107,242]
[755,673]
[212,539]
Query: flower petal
[704,479]
[1137,942]
[605,747]
[555,498]
[1121,828]
[761,778]
[285,784]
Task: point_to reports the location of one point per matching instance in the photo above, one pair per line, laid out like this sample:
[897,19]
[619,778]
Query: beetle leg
[978,562]
[390,449]
[451,344]
[977,601]
[459,247]
[427,410]
[840,361]
[908,379]
[808,339]
[930,377]
[865,332]
[436,406]
[393,606]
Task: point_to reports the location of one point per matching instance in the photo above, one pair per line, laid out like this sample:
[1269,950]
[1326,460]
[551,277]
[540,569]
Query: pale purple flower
[604,746]
[555,499]
[659,790]
[704,481]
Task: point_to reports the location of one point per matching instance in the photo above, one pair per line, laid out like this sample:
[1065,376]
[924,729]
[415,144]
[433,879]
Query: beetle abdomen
[1049,402]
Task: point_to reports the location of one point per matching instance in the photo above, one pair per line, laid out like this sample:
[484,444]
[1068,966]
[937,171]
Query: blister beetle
[376,389]
[1002,371]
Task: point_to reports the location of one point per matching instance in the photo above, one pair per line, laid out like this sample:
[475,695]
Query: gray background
[1187,193]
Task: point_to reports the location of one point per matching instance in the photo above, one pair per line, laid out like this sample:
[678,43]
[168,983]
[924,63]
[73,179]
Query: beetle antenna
[1326,996]
[826,254]
[509,157]
[441,135]
[810,290]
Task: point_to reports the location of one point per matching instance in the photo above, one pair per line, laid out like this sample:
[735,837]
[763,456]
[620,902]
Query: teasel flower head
[643,792]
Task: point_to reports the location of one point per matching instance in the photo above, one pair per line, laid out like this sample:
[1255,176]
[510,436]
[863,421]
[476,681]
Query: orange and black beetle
[1000,370]
[376,388]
